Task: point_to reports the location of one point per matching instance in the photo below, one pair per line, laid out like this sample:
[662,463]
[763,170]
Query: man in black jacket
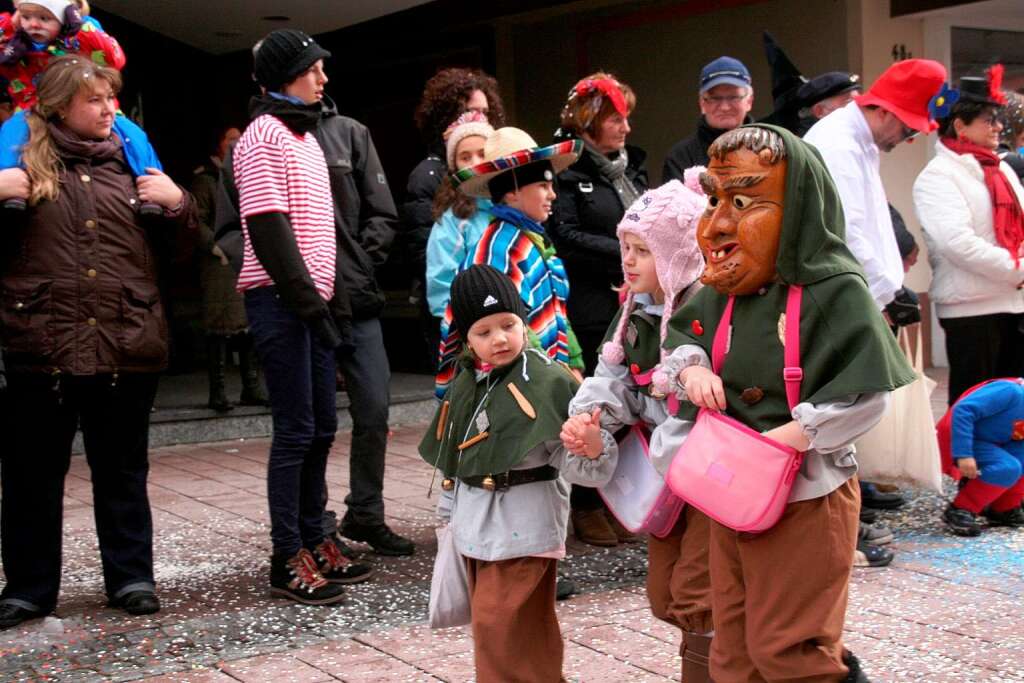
[726,96]
[365,220]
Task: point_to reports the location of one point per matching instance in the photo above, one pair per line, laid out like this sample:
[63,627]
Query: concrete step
[180,414]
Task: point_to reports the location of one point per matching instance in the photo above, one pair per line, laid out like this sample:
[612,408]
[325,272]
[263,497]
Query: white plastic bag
[449,587]
[902,448]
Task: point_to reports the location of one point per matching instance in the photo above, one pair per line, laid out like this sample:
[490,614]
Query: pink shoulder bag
[730,472]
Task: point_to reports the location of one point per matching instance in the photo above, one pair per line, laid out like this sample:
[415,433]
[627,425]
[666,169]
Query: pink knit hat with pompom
[468,124]
[666,220]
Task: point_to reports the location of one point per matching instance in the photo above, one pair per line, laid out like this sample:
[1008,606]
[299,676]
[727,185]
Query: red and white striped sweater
[277,171]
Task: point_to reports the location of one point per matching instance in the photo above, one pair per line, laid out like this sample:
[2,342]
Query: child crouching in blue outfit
[496,441]
[981,438]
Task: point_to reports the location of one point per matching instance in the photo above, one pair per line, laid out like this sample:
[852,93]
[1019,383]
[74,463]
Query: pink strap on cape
[792,373]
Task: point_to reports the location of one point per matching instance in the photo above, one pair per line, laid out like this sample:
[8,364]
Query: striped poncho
[540,277]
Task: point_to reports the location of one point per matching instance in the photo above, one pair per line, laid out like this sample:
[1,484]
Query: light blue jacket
[450,240]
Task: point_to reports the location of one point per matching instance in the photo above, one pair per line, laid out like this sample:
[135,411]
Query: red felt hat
[905,89]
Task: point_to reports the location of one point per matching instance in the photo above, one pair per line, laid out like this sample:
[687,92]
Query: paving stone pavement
[947,609]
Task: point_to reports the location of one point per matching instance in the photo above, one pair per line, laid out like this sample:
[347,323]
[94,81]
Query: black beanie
[510,181]
[480,291]
[282,57]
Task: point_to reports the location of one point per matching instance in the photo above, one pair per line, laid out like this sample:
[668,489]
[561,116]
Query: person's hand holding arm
[703,387]
[158,188]
[14,184]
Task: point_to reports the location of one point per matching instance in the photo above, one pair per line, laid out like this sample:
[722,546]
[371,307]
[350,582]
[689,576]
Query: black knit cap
[480,291]
[283,55]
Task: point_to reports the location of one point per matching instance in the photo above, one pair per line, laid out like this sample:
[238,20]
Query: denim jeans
[299,370]
[38,419]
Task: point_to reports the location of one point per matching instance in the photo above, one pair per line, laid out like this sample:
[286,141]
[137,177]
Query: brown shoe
[696,651]
[623,534]
[592,527]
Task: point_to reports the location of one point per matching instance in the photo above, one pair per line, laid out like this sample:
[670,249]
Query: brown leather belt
[506,480]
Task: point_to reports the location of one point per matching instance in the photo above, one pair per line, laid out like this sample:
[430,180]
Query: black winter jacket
[691,151]
[582,226]
[416,210]
[364,211]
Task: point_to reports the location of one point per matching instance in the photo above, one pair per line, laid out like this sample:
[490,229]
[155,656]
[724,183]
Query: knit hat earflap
[666,220]
[468,124]
[480,291]
[283,55]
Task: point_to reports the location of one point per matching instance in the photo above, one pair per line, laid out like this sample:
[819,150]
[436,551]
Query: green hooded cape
[547,387]
[846,348]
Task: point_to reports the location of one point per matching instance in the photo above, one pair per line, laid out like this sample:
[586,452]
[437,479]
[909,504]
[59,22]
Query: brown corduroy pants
[678,580]
[779,597]
[516,638]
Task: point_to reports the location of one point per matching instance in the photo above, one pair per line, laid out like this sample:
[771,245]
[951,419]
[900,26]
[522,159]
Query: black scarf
[300,118]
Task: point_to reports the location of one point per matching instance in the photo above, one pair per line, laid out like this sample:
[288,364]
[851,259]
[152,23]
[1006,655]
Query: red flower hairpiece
[607,87]
[995,84]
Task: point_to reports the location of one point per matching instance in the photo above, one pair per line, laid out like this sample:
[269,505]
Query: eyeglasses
[909,134]
[720,101]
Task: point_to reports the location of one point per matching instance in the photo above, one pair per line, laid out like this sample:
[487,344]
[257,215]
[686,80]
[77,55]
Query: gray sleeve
[612,390]
[835,425]
[681,358]
[445,501]
[577,469]
[666,440]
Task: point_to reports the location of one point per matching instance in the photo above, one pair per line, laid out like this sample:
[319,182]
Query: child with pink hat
[662,265]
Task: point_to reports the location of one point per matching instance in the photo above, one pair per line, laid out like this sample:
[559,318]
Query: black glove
[905,308]
[15,49]
[72,22]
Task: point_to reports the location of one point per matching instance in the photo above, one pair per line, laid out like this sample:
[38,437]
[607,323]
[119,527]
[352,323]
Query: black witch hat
[786,81]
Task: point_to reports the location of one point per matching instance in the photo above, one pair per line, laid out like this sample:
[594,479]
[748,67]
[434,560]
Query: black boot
[298,578]
[249,368]
[216,359]
[856,674]
[1013,517]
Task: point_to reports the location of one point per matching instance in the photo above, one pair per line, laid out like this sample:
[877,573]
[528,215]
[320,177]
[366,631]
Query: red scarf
[1007,215]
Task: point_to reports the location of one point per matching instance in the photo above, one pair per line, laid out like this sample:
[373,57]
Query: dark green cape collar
[546,387]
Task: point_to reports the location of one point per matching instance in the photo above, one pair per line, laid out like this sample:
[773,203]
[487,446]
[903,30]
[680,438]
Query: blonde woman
[84,335]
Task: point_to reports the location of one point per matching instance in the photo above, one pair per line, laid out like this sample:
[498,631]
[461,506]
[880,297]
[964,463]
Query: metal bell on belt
[488,483]
[447,484]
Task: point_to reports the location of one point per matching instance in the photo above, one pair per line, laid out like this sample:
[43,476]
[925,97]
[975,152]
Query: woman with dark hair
[969,204]
[447,95]
[593,195]
[85,337]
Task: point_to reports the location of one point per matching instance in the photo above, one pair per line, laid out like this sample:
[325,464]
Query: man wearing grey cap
[726,96]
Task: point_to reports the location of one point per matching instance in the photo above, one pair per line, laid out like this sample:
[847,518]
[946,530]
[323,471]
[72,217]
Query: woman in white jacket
[969,204]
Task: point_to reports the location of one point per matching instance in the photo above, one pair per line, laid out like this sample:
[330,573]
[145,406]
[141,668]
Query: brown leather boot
[623,534]
[695,651]
[591,526]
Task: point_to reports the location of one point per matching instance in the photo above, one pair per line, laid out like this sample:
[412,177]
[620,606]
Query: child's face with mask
[740,230]
[497,339]
[38,22]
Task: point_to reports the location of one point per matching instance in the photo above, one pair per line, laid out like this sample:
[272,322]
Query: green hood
[812,244]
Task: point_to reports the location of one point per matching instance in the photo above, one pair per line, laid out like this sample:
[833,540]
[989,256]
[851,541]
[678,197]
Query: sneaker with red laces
[337,568]
[298,578]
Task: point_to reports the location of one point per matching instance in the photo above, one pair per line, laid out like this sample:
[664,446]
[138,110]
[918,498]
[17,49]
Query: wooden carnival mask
[739,231]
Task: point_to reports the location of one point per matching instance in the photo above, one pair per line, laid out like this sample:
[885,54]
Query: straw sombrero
[507,149]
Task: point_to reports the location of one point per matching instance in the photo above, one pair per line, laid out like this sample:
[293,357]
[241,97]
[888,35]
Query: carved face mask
[739,231]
